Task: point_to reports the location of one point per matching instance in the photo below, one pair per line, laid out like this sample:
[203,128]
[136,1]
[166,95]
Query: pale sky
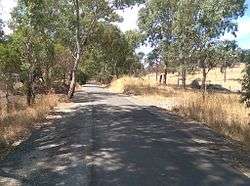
[130,16]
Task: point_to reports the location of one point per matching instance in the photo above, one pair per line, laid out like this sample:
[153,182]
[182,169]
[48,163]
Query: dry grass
[20,120]
[233,83]
[139,86]
[222,112]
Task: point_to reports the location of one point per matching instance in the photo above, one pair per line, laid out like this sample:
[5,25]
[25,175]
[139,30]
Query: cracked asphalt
[104,139]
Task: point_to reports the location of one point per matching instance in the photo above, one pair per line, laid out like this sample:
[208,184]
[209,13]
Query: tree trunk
[78,53]
[8,102]
[116,71]
[160,79]
[72,86]
[156,72]
[184,77]
[225,75]
[204,84]
[165,77]
[178,80]
[117,76]
[30,87]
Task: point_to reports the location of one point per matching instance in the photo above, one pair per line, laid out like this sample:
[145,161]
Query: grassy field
[233,80]
[222,112]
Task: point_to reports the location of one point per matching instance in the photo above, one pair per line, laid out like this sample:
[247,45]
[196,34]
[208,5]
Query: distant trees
[188,32]
[153,62]
[112,54]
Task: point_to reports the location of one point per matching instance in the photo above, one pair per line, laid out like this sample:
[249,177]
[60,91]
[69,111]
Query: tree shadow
[105,140]
[133,146]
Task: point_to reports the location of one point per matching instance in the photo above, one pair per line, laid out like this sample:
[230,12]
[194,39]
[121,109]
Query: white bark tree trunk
[78,53]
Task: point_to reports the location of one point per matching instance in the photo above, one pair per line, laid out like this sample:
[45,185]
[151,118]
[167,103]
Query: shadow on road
[132,146]
[126,145]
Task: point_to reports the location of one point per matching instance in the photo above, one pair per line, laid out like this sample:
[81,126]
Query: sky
[130,16]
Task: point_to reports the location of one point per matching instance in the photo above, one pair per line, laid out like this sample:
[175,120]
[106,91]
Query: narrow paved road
[104,139]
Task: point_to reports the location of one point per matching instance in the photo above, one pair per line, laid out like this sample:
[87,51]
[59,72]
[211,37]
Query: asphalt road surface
[104,139]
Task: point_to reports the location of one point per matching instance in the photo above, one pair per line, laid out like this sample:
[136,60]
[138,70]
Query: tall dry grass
[222,112]
[17,123]
[139,86]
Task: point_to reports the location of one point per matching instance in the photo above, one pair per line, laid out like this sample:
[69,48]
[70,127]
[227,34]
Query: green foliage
[1,30]
[246,87]
[245,56]
[111,53]
[126,3]
[81,78]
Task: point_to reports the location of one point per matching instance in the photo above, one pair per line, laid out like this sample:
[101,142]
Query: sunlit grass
[224,113]
[139,86]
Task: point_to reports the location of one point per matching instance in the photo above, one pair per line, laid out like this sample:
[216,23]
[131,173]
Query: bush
[195,84]
[81,78]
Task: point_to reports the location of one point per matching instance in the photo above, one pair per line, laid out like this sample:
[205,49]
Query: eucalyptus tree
[77,21]
[163,22]
[214,19]
[221,54]
[32,26]
[184,44]
[10,63]
[231,55]
[153,61]
[155,21]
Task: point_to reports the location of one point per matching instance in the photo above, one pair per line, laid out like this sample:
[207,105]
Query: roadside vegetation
[53,47]
[138,86]
[56,45]
[222,112]
[18,121]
